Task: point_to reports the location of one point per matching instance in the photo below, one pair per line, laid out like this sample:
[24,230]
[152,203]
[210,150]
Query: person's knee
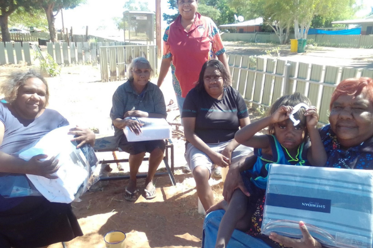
[201,174]
[157,152]
[135,159]
[239,201]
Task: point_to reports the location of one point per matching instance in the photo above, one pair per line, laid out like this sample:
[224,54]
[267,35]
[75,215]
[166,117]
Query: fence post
[26,52]
[9,50]
[286,80]
[2,54]
[18,49]
[57,47]
[50,49]
[103,65]
[80,52]
[65,53]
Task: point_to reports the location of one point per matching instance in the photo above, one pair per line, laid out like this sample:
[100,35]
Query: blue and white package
[335,204]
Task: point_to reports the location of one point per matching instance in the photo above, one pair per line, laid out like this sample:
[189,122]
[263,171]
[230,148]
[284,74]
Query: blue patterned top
[357,157]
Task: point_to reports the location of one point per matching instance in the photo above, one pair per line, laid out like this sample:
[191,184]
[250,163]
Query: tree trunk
[4,27]
[287,33]
[296,30]
[50,17]
[278,30]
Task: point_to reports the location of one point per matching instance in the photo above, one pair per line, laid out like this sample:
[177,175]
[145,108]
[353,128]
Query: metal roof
[138,12]
[253,22]
[356,21]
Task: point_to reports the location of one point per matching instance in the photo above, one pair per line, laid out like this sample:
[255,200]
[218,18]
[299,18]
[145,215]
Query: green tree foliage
[218,10]
[209,11]
[8,7]
[136,5]
[35,18]
[130,5]
[280,15]
[173,6]
[52,8]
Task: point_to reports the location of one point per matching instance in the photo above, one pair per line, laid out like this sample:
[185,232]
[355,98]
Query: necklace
[296,159]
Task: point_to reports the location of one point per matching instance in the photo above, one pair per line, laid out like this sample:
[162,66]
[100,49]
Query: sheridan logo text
[299,202]
[313,205]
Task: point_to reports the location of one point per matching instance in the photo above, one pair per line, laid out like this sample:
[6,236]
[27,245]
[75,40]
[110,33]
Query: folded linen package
[335,204]
[152,129]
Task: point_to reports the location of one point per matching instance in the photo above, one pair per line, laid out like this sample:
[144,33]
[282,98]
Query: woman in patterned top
[189,41]
[348,142]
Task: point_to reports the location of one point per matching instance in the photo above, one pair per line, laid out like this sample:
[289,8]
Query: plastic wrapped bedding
[335,204]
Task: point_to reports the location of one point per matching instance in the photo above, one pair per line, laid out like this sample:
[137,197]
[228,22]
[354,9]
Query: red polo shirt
[190,50]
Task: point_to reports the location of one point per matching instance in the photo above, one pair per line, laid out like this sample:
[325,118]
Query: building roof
[138,12]
[368,20]
[253,22]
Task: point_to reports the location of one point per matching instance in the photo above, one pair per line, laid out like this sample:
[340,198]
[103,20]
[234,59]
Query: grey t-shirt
[125,98]
[21,134]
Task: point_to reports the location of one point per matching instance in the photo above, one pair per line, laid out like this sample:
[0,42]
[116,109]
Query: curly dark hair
[290,100]
[17,79]
[217,65]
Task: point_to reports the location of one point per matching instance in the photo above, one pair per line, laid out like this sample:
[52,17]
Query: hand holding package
[335,204]
[152,129]
[76,166]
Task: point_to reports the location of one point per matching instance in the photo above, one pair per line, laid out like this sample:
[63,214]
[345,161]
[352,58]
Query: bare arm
[165,65]
[233,144]
[189,127]
[224,60]
[12,164]
[246,135]
[316,154]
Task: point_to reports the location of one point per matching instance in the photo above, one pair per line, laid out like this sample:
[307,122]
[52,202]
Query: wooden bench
[108,144]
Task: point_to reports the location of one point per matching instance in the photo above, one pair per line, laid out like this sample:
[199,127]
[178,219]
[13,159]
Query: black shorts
[134,148]
[36,222]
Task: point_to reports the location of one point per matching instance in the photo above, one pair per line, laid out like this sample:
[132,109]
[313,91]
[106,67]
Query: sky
[94,14]
[97,13]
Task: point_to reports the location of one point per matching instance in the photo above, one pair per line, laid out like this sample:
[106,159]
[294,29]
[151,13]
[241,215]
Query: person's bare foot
[220,205]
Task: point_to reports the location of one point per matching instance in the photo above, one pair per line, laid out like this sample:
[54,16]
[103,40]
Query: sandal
[131,196]
[149,194]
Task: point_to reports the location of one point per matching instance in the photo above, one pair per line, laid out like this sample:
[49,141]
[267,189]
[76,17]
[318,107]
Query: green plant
[274,52]
[252,62]
[50,66]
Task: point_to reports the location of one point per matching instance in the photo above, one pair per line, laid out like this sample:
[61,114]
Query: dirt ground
[171,219]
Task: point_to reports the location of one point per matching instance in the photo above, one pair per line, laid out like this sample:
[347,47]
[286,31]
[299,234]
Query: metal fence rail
[266,80]
[353,41]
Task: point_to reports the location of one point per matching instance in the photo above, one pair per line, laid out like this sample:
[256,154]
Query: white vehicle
[18,31]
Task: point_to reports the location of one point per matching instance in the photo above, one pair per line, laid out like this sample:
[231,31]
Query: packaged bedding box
[335,204]
[152,129]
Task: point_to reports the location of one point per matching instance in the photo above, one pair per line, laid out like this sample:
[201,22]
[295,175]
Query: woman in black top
[212,113]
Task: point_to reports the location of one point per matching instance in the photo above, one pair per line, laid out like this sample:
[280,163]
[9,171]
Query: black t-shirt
[216,120]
